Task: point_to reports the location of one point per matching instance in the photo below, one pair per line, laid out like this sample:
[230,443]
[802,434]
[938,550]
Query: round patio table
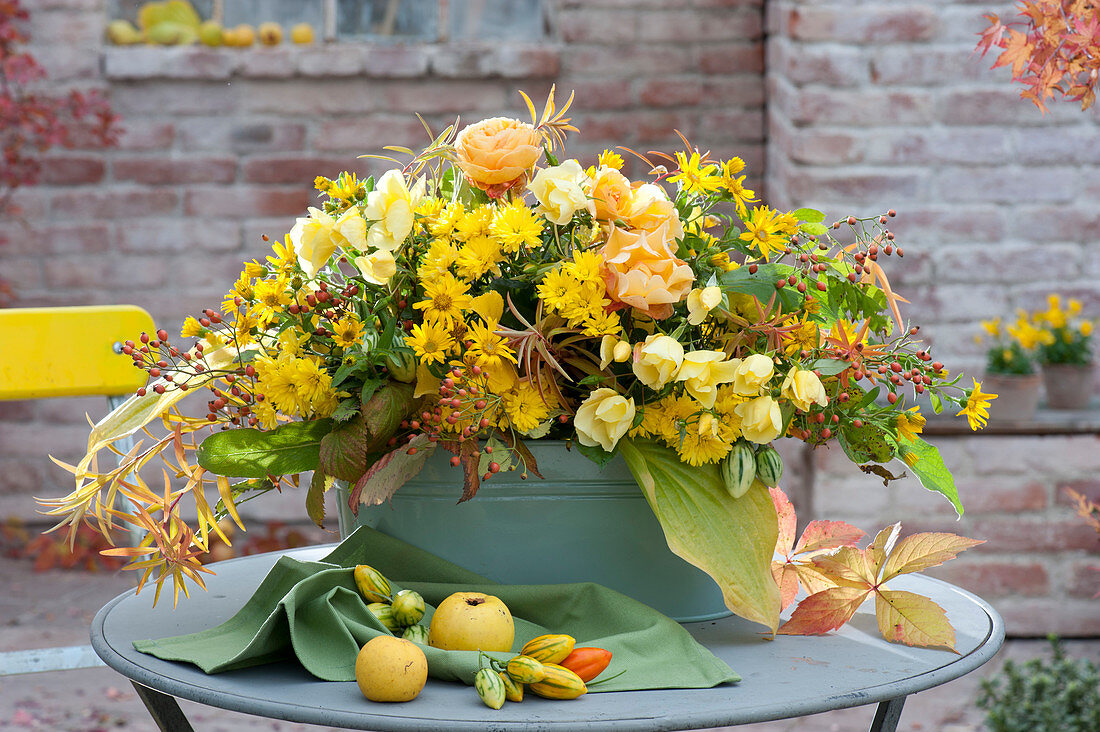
[782,678]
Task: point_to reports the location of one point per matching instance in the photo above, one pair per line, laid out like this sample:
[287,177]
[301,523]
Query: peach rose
[650,208]
[611,195]
[641,271]
[496,153]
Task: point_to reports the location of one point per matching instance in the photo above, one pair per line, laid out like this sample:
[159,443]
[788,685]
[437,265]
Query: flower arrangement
[485,292]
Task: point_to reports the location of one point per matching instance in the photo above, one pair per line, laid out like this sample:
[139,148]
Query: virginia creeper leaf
[824,611]
[390,472]
[788,522]
[344,450]
[847,566]
[249,453]
[905,617]
[732,540]
[820,535]
[921,551]
[881,547]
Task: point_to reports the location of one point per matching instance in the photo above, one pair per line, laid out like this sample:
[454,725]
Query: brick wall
[870,105]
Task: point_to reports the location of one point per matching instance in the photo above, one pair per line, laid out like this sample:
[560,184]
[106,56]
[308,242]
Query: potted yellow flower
[1065,353]
[1010,369]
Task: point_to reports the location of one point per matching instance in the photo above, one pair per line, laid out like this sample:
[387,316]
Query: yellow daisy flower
[192,328]
[346,331]
[763,232]
[609,159]
[977,407]
[487,348]
[431,341]
[515,226]
[694,176]
[445,297]
[910,423]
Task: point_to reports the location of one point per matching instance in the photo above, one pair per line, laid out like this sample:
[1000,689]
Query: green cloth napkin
[312,611]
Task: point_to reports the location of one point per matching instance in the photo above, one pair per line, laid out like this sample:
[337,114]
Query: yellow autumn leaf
[847,567]
[912,619]
[921,551]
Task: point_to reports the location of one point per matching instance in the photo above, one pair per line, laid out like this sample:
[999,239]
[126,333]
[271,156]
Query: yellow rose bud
[560,192]
[753,373]
[657,360]
[804,388]
[613,349]
[702,301]
[703,371]
[377,267]
[390,206]
[761,420]
[603,418]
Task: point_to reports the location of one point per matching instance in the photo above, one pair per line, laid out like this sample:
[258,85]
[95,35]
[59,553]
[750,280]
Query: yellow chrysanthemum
[609,159]
[192,328]
[699,449]
[265,413]
[473,224]
[346,331]
[254,269]
[601,323]
[486,347]
[439,257]
[555,287]
[763,232]
[524,408]
[445,297]
[443,223]
[694,176]
[245,322]
[515,226]
[585,266]
[977,407]
[431,341]
[805,336]
[480,255]
[285,258]
[271,297]
[910,423]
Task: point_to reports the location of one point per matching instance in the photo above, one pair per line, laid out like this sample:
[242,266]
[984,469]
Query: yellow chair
[67,351]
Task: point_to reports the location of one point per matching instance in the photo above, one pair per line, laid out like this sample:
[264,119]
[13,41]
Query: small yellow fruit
[472,621]
[210,34]
[302,34]
[245,35]
[122,33]
[271,34]
[390,669]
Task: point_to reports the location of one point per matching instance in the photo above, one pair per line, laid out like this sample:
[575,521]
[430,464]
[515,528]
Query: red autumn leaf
[787,521]
[912,619]
[821,535]
[921,551]
[390,472]
[824,611]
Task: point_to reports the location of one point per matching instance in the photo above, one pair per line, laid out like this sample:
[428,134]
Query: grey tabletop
[782,678]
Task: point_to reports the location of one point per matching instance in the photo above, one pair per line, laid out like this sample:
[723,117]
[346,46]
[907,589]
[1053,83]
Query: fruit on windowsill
[390,669]
[211,34]
[240,37]
[123,33]
[271,34]
[472,621]
[302,34]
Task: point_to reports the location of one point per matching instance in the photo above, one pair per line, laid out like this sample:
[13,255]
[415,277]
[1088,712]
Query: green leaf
[810,215]
[596,454]
[762,284]
[345,410]
[829,366]
[315,499]
[249,453]
[384,411]
[732,540]
[501,455]
[814,229]
[869,397]
[932,472]
[344,450]
[937,403]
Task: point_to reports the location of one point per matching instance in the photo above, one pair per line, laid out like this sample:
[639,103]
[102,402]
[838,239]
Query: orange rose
[640,270]
[611,195]
[496,153]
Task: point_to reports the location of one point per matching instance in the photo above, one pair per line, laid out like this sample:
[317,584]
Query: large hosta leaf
[731,539]
[248,453]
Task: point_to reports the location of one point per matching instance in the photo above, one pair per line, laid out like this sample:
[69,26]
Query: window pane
[381,19]
[509,20]
[284,12]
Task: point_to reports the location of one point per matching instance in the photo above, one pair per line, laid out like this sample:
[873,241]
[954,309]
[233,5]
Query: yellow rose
[560,192]
[604,418]
[377,267]
[640,270]
[613,349]
[702,301]
[703,371]
[761,419]
[390,206]
[804,388]
[317,237]
[753,374]
[611,195]
[496,153]
[650,208]
[657,360]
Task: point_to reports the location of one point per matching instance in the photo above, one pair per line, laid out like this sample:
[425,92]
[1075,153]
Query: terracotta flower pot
[1067,386]
[1017,396]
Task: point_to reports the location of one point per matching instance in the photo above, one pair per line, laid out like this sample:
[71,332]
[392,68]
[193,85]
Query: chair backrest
[69,351]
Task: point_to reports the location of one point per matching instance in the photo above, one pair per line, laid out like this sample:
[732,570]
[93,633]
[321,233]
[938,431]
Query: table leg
[888,715]
[164,709]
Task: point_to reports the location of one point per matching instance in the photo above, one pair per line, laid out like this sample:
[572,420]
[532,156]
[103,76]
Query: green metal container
[580,524]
